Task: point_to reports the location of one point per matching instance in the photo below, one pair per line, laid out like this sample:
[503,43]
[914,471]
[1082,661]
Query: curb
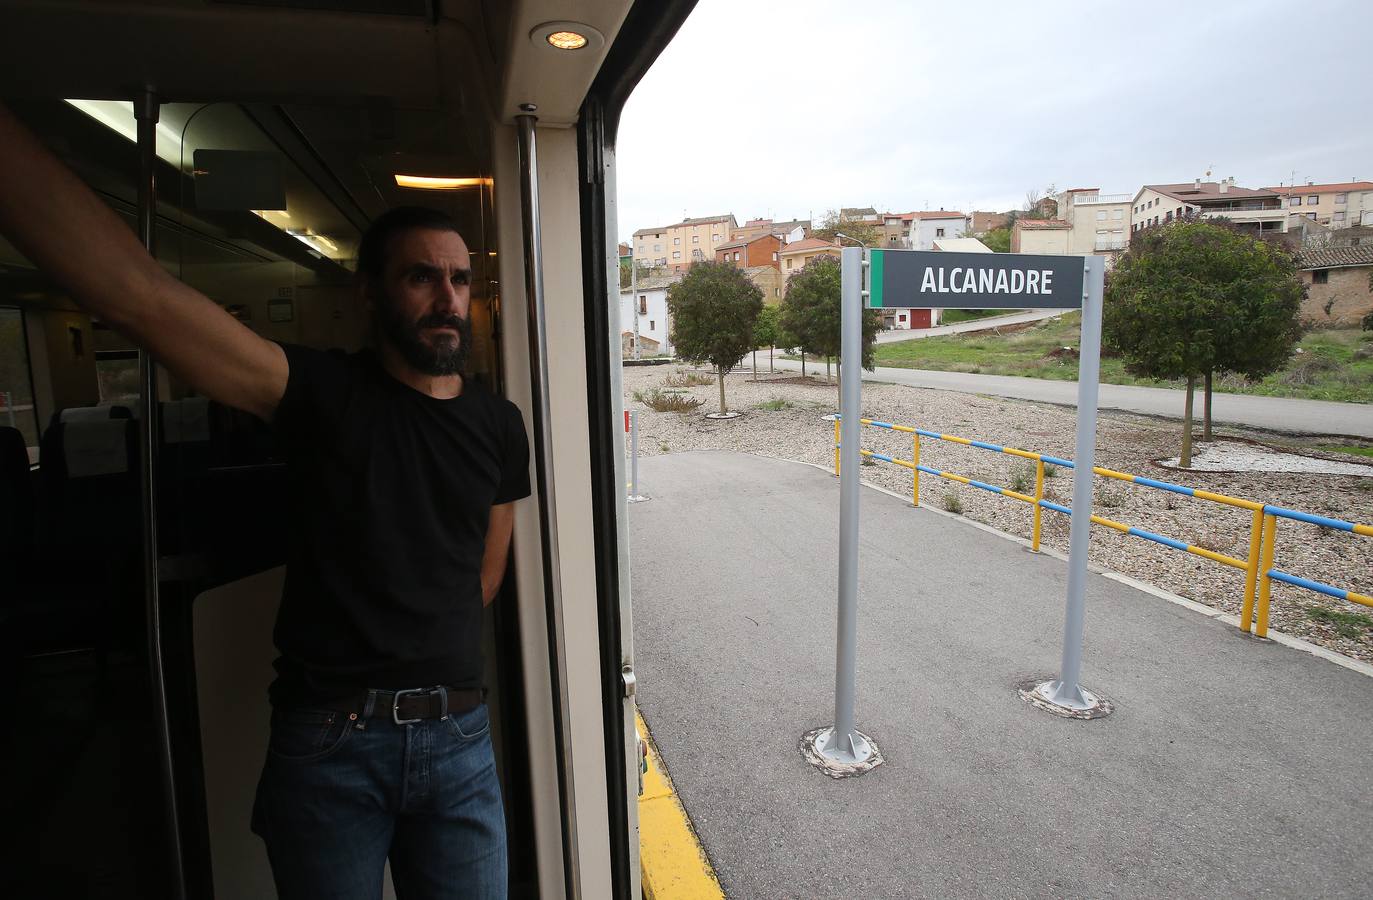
[673,864]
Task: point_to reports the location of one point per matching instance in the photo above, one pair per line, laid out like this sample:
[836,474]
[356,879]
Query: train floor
[1230,766]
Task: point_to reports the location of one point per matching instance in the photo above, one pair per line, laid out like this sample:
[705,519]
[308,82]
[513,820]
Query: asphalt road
[1269,413]
[1230,767]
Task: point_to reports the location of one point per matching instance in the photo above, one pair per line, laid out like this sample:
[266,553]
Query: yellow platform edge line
[672,861]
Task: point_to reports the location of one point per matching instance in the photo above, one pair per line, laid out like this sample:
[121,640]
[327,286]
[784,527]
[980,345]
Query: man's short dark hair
[377,238]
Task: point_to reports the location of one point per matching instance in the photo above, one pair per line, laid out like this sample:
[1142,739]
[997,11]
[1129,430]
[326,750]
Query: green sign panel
[922,279]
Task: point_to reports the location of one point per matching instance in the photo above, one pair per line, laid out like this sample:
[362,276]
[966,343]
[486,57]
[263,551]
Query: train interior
[283,129]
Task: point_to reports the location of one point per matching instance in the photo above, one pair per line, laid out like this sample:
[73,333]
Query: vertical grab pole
[1066,693]
[915,461]
[1270,539]
[1252,570]
[1039,495]
[548,513]
[841,746]
[146,113]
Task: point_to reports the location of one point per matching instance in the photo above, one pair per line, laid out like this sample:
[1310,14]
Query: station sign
[922,279]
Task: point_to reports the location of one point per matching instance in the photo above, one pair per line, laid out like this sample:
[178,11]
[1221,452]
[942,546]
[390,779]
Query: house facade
[1046,236]
[1260,211]
[982,222]
[762,250]
[654,324]
[769,280]
[677,247]
[1337,280]
[795,255]
[1339,205]
[928,227]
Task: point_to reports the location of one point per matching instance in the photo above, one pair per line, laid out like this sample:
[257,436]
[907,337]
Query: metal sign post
[921,278]
[841,749]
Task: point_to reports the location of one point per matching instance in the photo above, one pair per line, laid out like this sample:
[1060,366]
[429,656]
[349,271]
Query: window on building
[677,242]
[652,325]
[1101,215]
[1294,201]
[939,232]
[1118,214]
[774,255]
[676,254]
[776,292]
[696,239]
[1320,276]
[1339,216]
[643,304]
[1311,216]
[697,254]
[1168,216]
[1341,199]
[789,262]
[1313,199]
[657,248]
[715,239]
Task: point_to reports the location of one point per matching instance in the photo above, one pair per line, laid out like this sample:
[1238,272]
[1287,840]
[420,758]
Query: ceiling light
[432,183]
[567,40]
[567,36]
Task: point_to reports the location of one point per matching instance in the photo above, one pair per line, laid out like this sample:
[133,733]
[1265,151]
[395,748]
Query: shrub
[660,401]
[688,379]
[952,503]
[776,404]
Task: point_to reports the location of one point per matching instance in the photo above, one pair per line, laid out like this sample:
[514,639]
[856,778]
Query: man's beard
[442,357]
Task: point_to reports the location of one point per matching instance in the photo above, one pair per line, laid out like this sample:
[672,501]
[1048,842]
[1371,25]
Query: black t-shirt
[391,491]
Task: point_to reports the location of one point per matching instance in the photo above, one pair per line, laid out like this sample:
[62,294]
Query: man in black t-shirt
[404,477]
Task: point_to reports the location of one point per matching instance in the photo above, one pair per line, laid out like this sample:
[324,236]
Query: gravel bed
[1125,442]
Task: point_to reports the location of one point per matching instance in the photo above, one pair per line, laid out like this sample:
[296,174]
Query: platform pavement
[1231,767]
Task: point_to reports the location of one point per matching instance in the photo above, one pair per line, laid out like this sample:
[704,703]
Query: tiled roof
[643,231]
[1040,224]
[809,244]
[1336,257]
[1342,187]
[937,214]
[707,220]
[654,282]
[1188,192]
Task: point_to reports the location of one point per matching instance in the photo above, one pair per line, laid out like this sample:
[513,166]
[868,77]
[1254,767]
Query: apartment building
[677,247]
[1338,205]
[788,231]
[1256,210]
[1098,224]
[929,226]
[896,231]
[758,251]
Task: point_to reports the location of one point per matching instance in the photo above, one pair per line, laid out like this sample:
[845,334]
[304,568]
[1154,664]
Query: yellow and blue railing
[1259,573]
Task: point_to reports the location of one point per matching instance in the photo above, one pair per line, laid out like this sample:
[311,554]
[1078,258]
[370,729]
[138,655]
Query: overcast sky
[787,109]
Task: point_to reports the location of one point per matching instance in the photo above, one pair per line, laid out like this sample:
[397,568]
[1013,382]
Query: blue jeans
[337,799]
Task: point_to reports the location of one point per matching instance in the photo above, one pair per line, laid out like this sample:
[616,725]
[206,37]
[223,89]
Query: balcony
[1248,216]
[1115,244]
[1087,199]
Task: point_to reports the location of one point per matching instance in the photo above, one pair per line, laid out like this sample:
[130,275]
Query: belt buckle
[395,705]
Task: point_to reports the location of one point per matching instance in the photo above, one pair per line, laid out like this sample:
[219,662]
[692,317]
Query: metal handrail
[1258,566]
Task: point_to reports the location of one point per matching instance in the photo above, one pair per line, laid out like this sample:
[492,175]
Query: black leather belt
[412,705]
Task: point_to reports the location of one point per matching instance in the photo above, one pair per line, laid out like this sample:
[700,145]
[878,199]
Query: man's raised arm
[69,233]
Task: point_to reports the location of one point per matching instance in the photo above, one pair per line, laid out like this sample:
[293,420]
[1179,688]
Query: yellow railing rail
[1259,573]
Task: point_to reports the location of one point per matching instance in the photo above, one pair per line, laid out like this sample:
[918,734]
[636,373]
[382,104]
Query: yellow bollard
[1251,573]
[1270,533]
[1039,495]
[915,460]
[836,448]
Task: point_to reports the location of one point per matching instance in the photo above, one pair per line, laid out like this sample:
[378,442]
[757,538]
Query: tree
[713,310]
[1192,298]
[834,224]
[767,330]
[811,311]
[998,240]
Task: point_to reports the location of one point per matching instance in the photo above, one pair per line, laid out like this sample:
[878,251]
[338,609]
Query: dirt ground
[782,418]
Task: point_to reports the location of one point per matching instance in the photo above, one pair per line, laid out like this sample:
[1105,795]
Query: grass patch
[776,404]
[1350,625]
[1357,451]
[1328,367]
[954,316]
[663,401]
[951,503]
